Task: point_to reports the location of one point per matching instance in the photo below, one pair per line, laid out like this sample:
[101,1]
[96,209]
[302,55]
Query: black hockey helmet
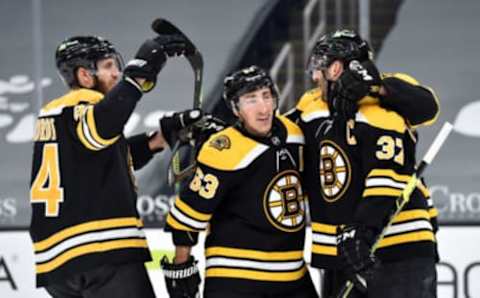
[246,80]
[83,51]
[344,45]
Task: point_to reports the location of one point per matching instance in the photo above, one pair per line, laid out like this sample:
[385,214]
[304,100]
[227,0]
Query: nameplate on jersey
[45,130]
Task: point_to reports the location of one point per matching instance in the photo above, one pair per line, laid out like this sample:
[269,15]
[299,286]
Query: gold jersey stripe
[371,113]
[182,206]
[324,250]
[73,98]
[178,226]
[389,173]
[256,275]
[381,191]
[411,215]
[407,238]
[89,249]
[292,128]
[324,228]
[228,158]
[253,254]
[87,227]
[432,212]
[308,97]
[82,137]
[93,129]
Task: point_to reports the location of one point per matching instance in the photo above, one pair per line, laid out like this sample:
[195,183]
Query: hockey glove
[151,58]
[359,80]
[174,126]
[354,244]
[182,280]
[203,129]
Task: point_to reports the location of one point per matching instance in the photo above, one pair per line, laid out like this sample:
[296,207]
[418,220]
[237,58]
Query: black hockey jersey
[247,192]
[418,104]
[82,189]
[354,171]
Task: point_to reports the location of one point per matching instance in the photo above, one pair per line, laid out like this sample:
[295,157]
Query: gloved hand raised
[174,126]
[151,58]
[354,244]
[356,81]
[359,80]
[182,280]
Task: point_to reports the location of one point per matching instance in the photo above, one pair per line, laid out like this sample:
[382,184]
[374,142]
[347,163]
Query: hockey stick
[194,57]
[404,197]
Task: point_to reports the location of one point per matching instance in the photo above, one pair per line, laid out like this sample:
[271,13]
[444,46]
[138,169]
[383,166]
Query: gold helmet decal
[284,202]
[334,171]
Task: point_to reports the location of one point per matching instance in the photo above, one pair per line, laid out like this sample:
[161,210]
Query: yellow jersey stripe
[324,228]
[256,275]
[382,191]
[389,173]
[411,215]
[182,206]
[432,212]
[87,227]
[88,249]
[178,226]
[324,250]
[83,139]
[406,238]
[253,254]
[93,129]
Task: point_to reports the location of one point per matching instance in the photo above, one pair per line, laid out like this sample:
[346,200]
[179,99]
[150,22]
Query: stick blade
[162,26]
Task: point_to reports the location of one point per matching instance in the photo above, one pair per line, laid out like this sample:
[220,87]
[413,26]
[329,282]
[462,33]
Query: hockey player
[360,156]
[87,235]
[248,194]
[421,110]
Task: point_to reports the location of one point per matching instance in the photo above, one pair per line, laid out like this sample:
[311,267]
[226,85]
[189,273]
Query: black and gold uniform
[356,169]
[82,190]
[304,101]
[247,193]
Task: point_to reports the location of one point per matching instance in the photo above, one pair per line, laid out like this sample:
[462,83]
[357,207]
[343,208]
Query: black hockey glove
[151,58]
[175,126]
[357,81]
[354,244]
[203,129]
[182,280]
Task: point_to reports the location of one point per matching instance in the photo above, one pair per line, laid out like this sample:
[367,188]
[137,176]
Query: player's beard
[104,87]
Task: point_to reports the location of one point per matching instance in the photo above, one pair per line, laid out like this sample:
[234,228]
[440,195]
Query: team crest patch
[335,171]
[221,142]
[284,202]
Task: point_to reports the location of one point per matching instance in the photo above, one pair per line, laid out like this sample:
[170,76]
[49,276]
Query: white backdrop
[459,250]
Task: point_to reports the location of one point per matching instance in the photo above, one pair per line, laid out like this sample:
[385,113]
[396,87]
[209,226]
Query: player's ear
[335,69]
[234,108]
[85,78]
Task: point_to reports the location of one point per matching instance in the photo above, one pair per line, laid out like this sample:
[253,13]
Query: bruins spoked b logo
[284,202]
[334,171]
